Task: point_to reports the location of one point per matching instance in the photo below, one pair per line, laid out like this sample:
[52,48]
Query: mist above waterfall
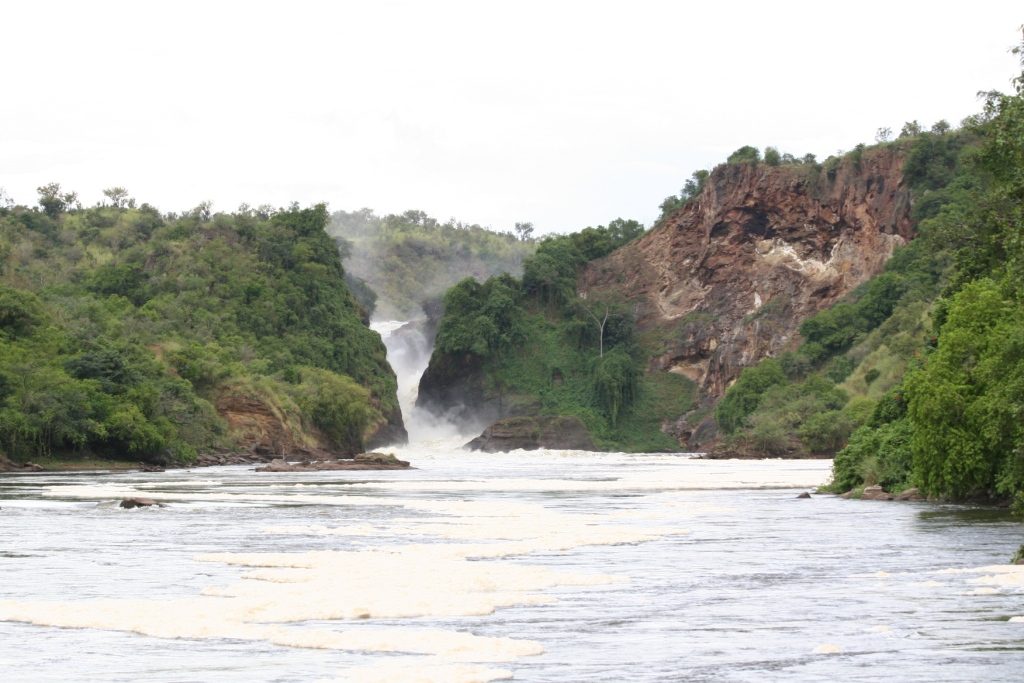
[409,350]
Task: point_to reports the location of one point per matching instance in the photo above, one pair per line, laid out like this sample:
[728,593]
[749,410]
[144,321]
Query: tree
[54,201]
[601,322]
[524,231]
[745,154]
[966,403]
[941,127]
[910,129]
[622,230]
[883,134]
[695,185]
[204,210]
[668,206]
[118,196]
[772,156]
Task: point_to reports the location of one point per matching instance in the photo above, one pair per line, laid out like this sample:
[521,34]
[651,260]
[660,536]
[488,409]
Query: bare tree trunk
[600,327]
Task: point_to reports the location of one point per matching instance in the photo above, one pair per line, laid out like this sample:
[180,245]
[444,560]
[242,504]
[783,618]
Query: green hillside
[918,378]
[122,329]
[530,345]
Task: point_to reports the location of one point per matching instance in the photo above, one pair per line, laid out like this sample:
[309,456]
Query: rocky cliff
[728,278]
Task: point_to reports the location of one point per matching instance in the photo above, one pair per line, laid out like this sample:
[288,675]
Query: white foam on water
[178,482]
[207,617]
[994,578]
[401,581]
[827,649]
[1003,576]
[326,585]
[679,477]
[463,572]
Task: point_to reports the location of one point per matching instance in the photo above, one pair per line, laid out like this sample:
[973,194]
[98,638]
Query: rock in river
[129,503]
[531,433]
[363,461]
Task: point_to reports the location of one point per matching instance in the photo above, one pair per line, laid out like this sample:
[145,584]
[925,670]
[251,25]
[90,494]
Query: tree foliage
[953,427]
[399,262]
[537,344]
[121,327]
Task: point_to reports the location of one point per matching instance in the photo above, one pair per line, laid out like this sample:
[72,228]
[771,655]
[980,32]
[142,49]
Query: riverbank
[92,463]
[276,462]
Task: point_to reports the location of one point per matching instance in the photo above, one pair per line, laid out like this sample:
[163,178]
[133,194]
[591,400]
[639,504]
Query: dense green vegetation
[121,329]
[545,350]
[400,262]
[922,369]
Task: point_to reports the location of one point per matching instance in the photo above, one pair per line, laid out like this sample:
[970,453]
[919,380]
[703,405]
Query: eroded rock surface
[728,279]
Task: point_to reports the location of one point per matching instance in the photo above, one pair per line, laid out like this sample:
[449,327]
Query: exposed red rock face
[263,428]
[728,279]
[257,426]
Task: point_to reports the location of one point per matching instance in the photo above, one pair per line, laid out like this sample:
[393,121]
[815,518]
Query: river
[540,566]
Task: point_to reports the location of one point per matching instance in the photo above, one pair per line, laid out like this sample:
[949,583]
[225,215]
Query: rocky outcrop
[876,492]
[262,428]
[259,426]
[910,494]
[7,465]
[363,461]
[454,384]
[728,279]
[391,432]
[531,433]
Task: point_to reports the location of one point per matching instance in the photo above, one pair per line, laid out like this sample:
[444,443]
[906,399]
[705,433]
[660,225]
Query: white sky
[566,114]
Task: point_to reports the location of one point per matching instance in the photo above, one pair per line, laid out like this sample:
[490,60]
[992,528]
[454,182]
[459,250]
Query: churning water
[542,566]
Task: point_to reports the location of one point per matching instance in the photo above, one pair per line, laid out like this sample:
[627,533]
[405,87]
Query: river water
[545,566]
[540,566]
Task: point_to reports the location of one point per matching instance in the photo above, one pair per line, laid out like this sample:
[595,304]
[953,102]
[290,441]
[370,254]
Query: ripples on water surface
[544,566]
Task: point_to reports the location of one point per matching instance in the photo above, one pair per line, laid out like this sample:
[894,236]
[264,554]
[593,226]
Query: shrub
[743,397]
[337,406]
[616,383]
[826,432]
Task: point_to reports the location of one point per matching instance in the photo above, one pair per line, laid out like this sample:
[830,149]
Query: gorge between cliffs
[449,342]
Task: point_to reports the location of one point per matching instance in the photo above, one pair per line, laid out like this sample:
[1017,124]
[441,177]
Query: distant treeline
[399,262]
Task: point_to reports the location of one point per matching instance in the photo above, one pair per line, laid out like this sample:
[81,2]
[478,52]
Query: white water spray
[409,353]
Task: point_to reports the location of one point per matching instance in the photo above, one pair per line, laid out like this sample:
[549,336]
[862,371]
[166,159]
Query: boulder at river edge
[530,433]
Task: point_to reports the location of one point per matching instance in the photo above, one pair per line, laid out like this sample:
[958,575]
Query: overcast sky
[565,114]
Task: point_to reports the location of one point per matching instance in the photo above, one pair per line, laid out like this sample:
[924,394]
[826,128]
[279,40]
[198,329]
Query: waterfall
[409,353]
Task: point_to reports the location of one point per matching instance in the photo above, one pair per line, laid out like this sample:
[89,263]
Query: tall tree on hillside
[524,231]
